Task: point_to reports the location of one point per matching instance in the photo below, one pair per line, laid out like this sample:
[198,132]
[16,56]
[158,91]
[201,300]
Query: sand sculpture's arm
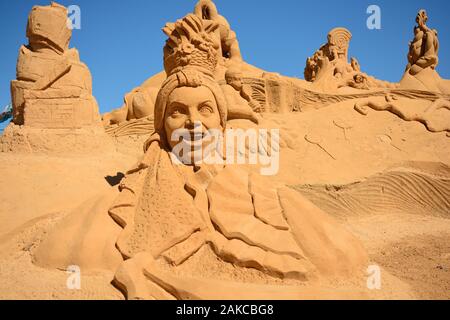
[231,45]
[406,113]
[238,107]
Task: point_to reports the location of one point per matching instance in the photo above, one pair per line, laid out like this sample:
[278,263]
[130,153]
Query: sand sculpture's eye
[177,111]
[206,108]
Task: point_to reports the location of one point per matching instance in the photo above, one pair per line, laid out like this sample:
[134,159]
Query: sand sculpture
[229,45]
[53,90]
[174,218]
[47,69]
[330,70]
[241,104]
[168,230]
[264,91]
[420,73]
[139,103]
[335,50]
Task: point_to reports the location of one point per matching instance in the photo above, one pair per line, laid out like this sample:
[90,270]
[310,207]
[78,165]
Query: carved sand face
[188,106]
[235,81]
[359,78]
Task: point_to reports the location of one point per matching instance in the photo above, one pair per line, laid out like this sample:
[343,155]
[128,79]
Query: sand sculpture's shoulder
[85,237]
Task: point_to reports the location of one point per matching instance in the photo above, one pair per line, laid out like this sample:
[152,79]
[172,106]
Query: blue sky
[122,42]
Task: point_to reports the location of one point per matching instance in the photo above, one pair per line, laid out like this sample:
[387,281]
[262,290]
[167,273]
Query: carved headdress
[190,44]
[190,59]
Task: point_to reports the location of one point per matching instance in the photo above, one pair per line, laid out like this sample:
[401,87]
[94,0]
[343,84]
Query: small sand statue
[240,103]
[420,73]
[329,70]
[229,45]
[423,49]
[53,88]
[138,104]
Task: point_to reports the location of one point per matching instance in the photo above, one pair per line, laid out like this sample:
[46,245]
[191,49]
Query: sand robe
[245,223]
[169,212]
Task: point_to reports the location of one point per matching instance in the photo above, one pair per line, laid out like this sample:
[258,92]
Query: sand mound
[88,140]
[404,191]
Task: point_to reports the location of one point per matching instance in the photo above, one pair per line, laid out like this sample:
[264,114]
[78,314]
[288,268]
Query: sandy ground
[412,247]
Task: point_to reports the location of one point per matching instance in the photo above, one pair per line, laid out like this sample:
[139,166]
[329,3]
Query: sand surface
[411,243]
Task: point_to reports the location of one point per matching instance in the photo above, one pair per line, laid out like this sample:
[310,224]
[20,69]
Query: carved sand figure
[328,69]
[420,73]
[335,51]
[53,105]
[311,68]
[241,104]
[138,104]
[229,45]
[218,230]
[175,218]
[355,64]
[423,49]
[358,81]
[434,115]
[53,88]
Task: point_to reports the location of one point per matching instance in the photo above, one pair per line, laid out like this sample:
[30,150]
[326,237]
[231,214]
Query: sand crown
[191,44]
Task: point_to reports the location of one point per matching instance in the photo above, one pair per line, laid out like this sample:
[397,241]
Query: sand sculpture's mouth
[194,138]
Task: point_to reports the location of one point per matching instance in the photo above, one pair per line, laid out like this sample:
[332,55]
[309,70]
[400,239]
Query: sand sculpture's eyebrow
[177,104]
[206,102]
